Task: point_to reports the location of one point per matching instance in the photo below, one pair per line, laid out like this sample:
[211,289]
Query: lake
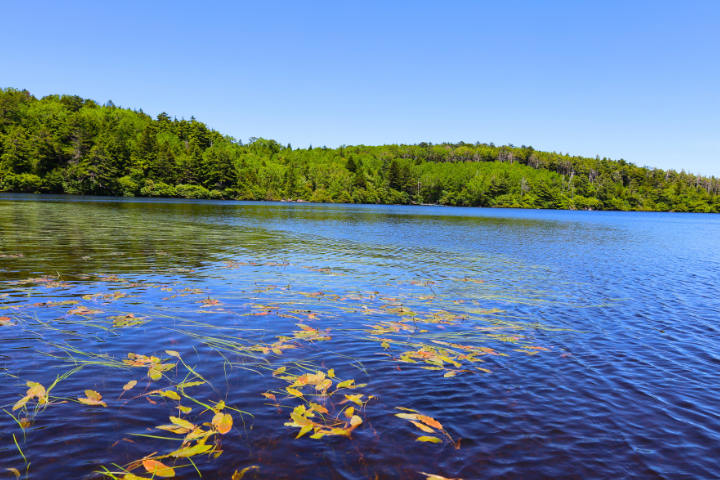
[512,343]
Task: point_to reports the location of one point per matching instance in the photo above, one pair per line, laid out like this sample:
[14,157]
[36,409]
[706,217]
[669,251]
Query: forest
[67,144]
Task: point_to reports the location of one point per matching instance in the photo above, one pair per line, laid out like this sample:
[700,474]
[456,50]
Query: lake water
[547,344]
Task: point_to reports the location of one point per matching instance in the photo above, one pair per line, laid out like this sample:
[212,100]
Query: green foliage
[24,182]
[67,144]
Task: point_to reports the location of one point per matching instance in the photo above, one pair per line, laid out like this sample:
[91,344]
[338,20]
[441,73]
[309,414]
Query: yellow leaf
[35,390]
[222,422]
[158,469]
[171,395]
[15,471]
[324,385]
[279,371]
[292,391]
[172,353]
[238,476]
[345,384]
[184,409]
[318,408]
[450,374]
[93,398]
[182,423]
[93,395]
[349,412]
[354,398]
[173,429]
[21,403]
[422,427]
[130,385]
[331,373]
[276,351]
[428,439]
[355,421]
[407,416]
[304,429]
[189,452]
[484,370]
[189,384]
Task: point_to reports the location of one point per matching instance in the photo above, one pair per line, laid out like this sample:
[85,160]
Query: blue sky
[635,80]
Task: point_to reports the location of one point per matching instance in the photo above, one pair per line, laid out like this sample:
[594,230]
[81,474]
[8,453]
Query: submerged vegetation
[67,144]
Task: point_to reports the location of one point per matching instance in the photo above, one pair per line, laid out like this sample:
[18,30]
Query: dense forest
[67,144]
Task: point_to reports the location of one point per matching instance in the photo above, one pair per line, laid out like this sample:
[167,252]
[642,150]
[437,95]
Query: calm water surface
[593,338]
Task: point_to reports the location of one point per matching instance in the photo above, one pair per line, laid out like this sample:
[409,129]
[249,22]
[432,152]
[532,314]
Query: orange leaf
[158,469]
[222,422]
[429,421]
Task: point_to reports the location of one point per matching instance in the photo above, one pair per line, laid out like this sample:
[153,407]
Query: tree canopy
[67,144]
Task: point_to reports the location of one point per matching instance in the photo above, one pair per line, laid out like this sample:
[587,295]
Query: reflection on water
[545,344]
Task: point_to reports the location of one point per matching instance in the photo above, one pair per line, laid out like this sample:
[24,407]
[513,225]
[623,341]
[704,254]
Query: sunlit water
[599,330]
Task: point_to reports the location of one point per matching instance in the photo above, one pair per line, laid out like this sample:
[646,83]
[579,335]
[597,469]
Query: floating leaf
[353,398]
[331,373]
[355,421]
[422,427]
[21,403]
[15,471]
[429,421]
[93,398]
[172,353]
[189,384]
[191,451]
[182,423]
[407,416]
[184,409]
[222,422]
[293,391]
[450,374]
[344,384]
[349,412]
[428,439]
[279,371]
[158,469]
[269,396]
[171,395]
[36,390]
[484,370]
[318,408]
[130,385]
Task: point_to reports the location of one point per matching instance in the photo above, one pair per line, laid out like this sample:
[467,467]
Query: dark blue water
[596,333]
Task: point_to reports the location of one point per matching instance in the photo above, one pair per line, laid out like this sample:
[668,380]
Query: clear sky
[638,80]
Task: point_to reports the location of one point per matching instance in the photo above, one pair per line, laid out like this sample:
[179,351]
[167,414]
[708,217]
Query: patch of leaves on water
[318,412]
[319,404]
[154,365]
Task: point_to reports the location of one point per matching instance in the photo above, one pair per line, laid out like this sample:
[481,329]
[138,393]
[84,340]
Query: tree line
[67,144]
